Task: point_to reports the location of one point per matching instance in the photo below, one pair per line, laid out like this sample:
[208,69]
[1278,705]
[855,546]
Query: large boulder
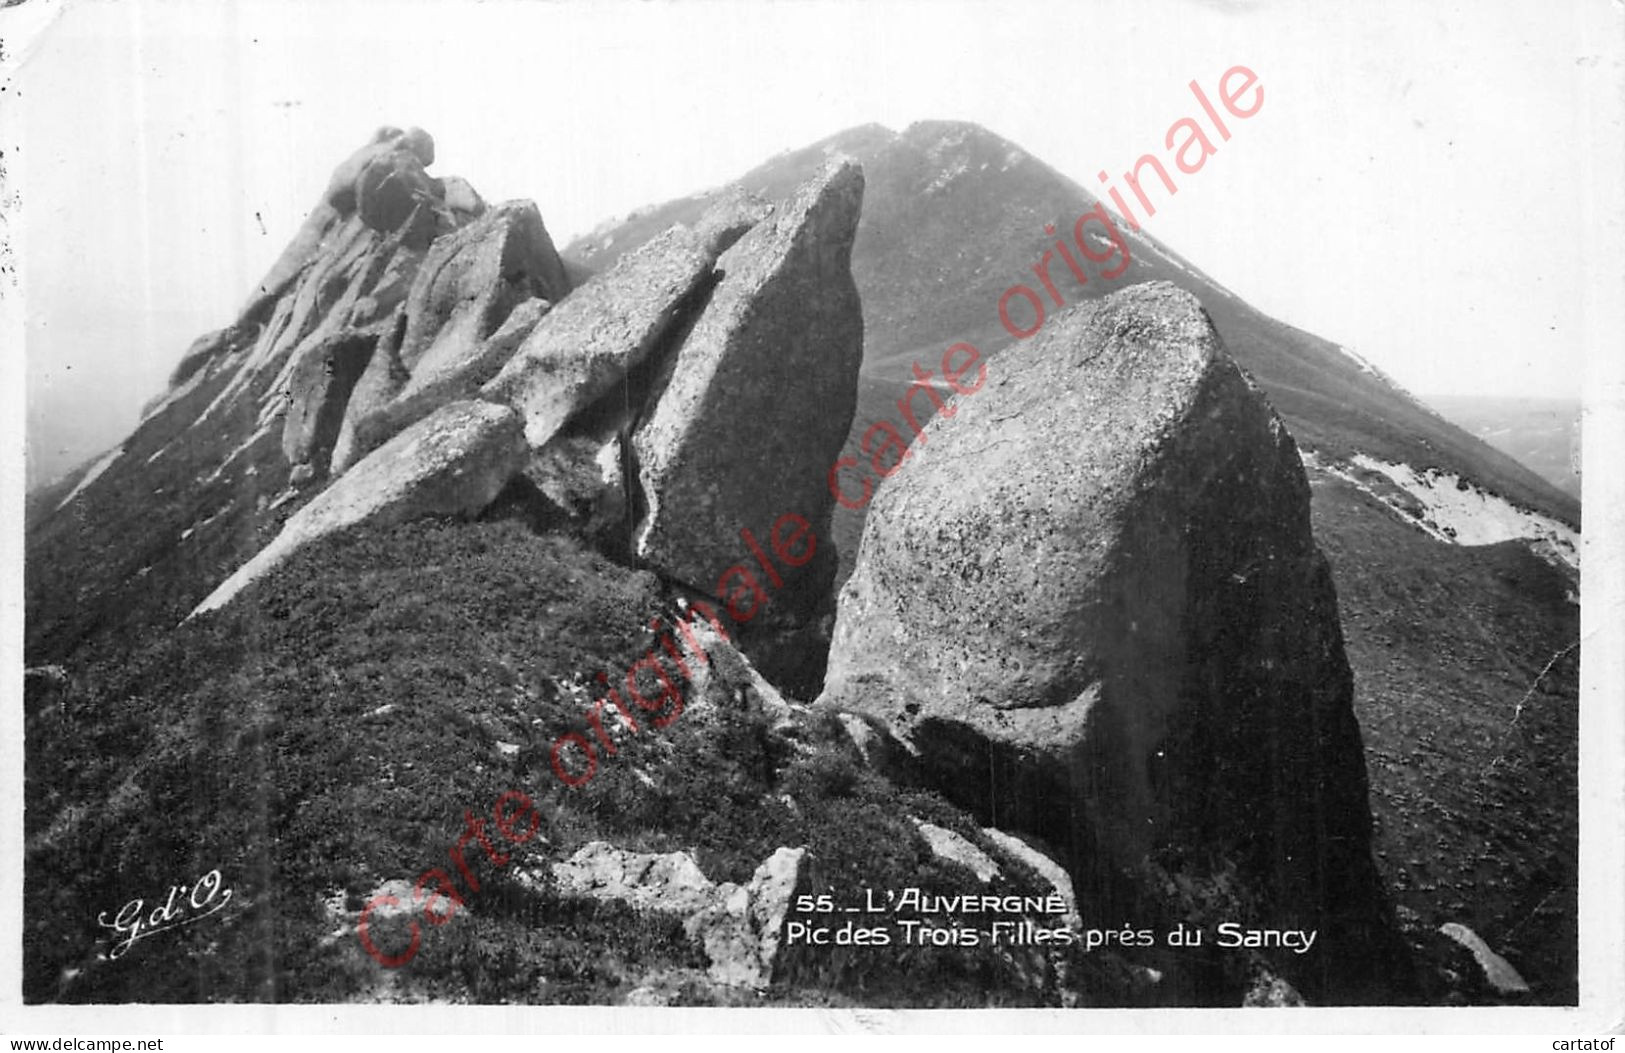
[609,327]
[393,190]
[739,926]
[750,412]
[1090,599]
[472,278]
[473,302]
[452,463]
[584,376]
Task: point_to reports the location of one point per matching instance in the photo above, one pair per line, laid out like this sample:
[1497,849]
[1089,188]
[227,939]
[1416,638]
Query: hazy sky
[1411,186]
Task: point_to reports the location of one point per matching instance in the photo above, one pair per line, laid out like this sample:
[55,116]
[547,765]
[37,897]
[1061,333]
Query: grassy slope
[113,561]
[325,734]
[1472,752]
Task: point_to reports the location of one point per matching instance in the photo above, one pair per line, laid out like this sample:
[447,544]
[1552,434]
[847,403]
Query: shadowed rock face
[755,406]
[318,392]
[1091,600]
[476,297]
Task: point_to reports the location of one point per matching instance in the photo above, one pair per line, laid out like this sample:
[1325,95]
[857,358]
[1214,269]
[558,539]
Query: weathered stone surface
[741,931]
[476,297]
[1498,972]
[472,279]
[671,882]
[453,462]
[462,364]
[729,218]
[354,279]
[721,678]
[382,380]
[955,848]
[590,342]
[338,204]
[462,198]
[1090,598]
[383,235]
[318,392]
[738,925]
[385,184]
[394,190]
[1050,870]
[341,186]
[394,399]
[757,404]
[1271,992]
[584,476]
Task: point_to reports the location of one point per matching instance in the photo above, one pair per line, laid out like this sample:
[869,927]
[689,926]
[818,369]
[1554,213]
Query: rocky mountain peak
[444,511]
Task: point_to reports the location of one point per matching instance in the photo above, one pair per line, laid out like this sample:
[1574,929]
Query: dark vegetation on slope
[326,733]
[1472,751]
[113,563]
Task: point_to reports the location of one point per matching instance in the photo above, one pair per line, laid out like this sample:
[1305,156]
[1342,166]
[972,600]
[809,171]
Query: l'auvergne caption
[1006,921]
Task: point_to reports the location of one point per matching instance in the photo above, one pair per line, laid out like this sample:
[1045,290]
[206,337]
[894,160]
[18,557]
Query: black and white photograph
[789,515]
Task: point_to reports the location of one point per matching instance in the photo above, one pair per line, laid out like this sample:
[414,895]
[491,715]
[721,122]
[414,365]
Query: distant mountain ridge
[955,215]
[1542,433]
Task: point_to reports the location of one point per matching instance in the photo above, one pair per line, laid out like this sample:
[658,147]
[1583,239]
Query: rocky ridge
[1087,599]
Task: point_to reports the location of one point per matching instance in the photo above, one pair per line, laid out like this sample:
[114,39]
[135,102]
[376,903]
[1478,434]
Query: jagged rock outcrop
[471,280]
[453,462]
[741,931]
[343,280]
[461,198]
[1499,974]
[752,410]
[699,388]
[593,341]
[956,848]
[723,679]
[664,881]
[476,297]
[393,191]
[1047,868]
[738,926]
[1092,602]
[389,148]
[611,335]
